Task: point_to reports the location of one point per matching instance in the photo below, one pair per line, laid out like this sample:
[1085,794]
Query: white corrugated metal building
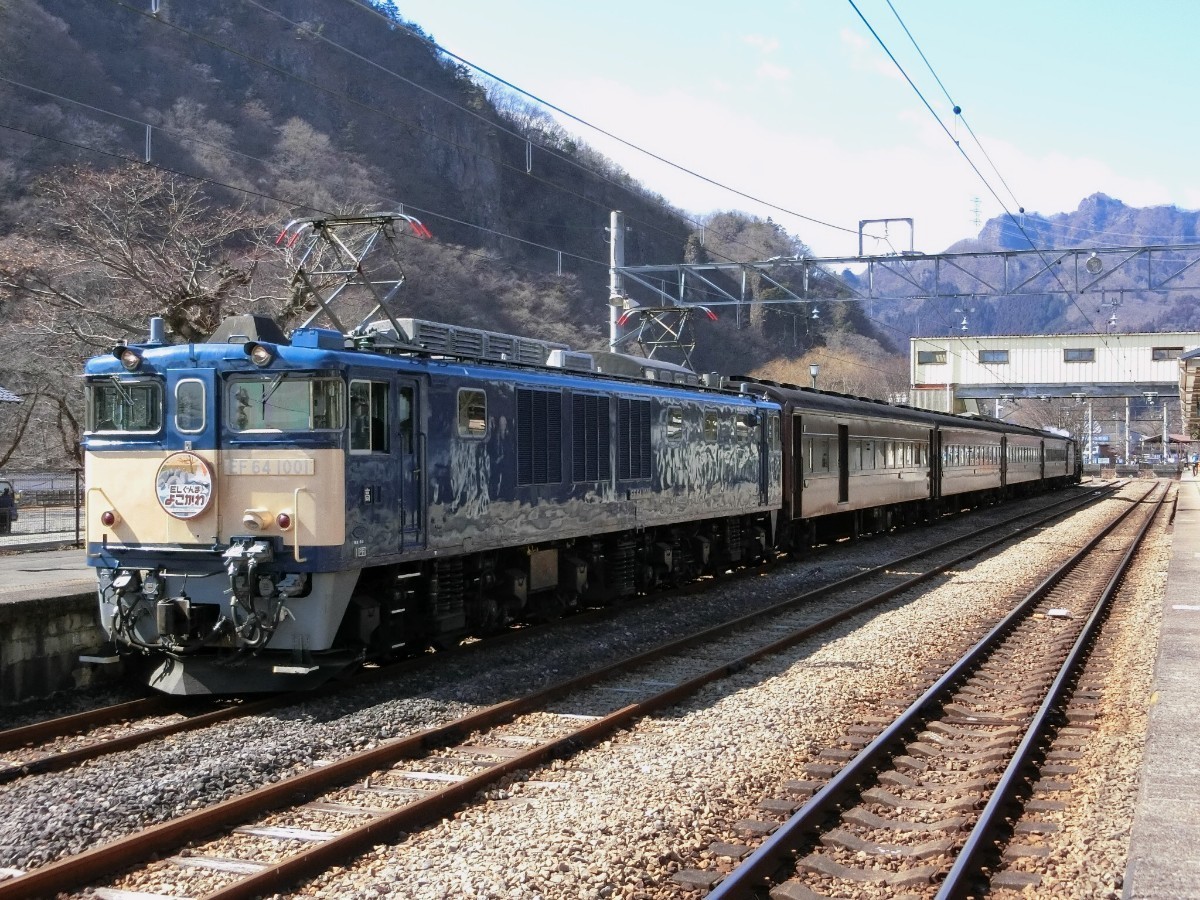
[957,372]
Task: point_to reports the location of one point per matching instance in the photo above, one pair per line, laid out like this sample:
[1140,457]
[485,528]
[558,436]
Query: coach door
[935,463]
[843,463]
[798,463]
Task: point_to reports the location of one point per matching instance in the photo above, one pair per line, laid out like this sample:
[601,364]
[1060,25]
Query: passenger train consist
[263,511]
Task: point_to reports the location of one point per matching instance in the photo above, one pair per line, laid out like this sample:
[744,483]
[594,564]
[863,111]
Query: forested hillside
[149,155]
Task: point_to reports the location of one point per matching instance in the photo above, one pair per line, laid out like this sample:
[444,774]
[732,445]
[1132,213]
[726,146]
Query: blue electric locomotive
[264,511]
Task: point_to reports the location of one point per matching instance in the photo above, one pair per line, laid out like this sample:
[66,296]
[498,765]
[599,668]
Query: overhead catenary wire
[399,120]
[290,203]
[878,38]
[404,26]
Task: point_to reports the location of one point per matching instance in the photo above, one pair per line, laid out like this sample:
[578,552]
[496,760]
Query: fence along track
[902,804]
[324,848]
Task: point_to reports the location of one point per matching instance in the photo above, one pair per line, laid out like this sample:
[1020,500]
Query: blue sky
[794,101]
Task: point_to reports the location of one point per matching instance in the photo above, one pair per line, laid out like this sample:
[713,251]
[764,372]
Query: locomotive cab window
[189,406]
[285,402]
[472,413]
[125,406]
[368,417]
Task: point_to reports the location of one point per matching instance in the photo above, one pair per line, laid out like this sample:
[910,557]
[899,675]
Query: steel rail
[67,874]
[52,728]
[761,865]
[57,761]
[1006,789]
[12,738]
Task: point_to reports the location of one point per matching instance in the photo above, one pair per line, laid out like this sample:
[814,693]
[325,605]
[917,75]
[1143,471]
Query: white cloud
[865,56]
[765,45]
[913,171]
[772,72]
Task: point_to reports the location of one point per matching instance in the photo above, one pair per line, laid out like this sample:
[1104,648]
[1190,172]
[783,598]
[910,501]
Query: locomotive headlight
[260,354]
[255,519]
[109,518]
[129,357]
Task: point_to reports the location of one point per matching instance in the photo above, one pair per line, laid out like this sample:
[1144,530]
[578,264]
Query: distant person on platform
[6,508]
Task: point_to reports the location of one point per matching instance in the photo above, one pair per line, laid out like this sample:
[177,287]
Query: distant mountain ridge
[1099,221]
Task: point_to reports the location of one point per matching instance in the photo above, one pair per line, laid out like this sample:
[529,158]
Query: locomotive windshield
[286,402]
[125,406]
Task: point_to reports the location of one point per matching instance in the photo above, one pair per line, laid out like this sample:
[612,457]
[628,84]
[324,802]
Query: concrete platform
[1164,850]
[28,576]
[48,616]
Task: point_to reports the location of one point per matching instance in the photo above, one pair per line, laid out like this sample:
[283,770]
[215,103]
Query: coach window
[189,406]
[472,413]
[1158,354]
[1079,354]
[931,357]
[674,424]
[868,455]
[368,417]
[993,356]
[710,426]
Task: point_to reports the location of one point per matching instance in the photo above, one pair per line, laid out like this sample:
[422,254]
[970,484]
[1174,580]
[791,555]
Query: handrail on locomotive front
[296,523]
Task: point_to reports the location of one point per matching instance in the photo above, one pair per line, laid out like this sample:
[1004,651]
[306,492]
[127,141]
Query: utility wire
[399,120]
[285,202]
[178,135]
[500,162]
[970,162]
[954,106]
[491,123]
[404,26]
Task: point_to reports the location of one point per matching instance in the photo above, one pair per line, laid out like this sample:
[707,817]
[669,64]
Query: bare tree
[103,251]
[97,253]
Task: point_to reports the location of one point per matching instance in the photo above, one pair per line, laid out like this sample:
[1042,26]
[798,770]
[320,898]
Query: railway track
[924,803]
[321,817]
[58,744]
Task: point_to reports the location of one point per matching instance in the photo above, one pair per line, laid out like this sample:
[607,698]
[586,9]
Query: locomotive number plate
[244,466]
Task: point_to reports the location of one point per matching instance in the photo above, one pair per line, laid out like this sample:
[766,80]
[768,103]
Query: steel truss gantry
[1160,268]
[1112,273]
